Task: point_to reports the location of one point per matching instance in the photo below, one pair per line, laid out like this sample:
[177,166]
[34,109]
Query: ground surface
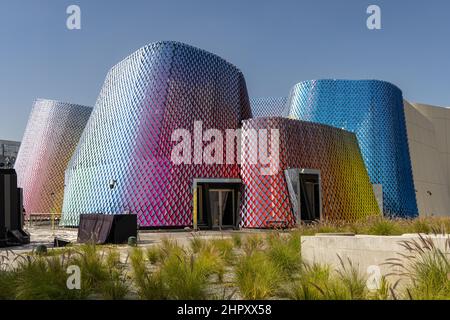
[44,234]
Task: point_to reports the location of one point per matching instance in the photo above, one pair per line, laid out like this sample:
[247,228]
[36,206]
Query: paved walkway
[45,235]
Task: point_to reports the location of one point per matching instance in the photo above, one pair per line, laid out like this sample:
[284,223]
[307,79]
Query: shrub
[383,227]
[284,252]
[93,271]
[180,274]
[168,247]
[212,261]
[225,249]
[186,275]
[378,225]
[183,278]
[7,287]
[421,225]
[428,268]
[256,276]
[237,240]
[197,243]
[115,287]
[316,282]
[308,285]
[352,280]
[154,254]
[252,243]
[385,291]
[149,284]
[44,279]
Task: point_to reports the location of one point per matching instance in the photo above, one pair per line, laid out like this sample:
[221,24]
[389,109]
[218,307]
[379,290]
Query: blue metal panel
[374,111]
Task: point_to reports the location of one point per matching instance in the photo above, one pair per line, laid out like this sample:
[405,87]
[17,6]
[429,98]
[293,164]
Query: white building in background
[428,130]
[8,152]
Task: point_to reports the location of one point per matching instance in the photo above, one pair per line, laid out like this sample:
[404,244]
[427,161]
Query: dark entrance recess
[305,193]
[309,197]
[217,203]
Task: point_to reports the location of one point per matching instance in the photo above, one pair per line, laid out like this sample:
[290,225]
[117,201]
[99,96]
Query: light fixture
[112,183]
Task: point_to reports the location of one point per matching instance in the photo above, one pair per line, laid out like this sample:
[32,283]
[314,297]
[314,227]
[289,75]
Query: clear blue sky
[275,43]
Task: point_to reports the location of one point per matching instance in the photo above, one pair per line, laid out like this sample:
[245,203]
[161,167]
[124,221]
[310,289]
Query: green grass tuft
[256,276]
[149,283]
[284,252]
[154,254]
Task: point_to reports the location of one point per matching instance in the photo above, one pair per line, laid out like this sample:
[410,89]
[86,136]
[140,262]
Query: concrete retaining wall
[363,250]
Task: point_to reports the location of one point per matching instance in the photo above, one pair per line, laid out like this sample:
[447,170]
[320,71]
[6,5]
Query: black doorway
[304,187]
[309,197]
[217,204]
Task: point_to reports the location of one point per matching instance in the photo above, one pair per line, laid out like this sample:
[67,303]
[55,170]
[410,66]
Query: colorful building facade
[123,160]
[321,176]
[51,135]
[157,144]
[373,110]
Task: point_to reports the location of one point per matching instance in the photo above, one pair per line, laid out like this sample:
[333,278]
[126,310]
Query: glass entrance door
[216,203]
[222,209]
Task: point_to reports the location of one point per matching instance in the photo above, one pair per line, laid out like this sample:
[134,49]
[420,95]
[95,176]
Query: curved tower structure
[123,160]
[342,188]
[50,138]
[373,110]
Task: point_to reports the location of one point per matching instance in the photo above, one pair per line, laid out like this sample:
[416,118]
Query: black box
[107,228]
[11,210]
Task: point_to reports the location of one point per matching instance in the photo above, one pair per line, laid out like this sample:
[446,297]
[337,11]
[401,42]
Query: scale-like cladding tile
[269,107]
[50,138]
[127,142]
[346,190]
[374,111]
